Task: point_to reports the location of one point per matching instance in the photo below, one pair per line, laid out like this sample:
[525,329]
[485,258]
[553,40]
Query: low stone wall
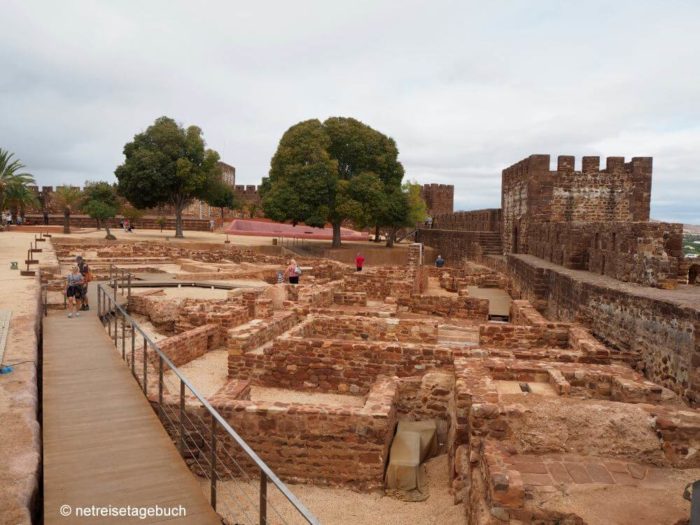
[147,222]
[461,307]
[368,329]
[185,347]
[659,327]
[518,336]
[455,245]
[336,366]
[428,397]
[20,432]
[350,298]
[221,312]
[257,332]
[307,443]
[380,283]
[487,220]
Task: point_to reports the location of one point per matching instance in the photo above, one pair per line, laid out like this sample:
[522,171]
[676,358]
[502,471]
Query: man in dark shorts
[85,272]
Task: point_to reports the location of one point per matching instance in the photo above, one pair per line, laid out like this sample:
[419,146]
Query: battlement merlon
[540,164]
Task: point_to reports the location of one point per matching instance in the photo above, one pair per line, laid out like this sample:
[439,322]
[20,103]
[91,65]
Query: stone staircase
[490,243]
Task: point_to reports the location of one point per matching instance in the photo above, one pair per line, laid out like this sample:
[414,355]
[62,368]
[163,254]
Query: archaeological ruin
[551,366]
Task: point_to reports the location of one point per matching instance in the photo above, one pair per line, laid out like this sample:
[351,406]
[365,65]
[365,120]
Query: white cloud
[465,88]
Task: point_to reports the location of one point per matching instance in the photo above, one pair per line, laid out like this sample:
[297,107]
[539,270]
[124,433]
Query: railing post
[123,336]
[181,432]
[145,366]
[160,381]
[212,463]
[133,346]
[109,321]
[263,498]
[128,295]
[116,320]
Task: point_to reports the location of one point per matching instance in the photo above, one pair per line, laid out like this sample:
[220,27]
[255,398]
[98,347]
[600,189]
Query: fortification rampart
[439,198]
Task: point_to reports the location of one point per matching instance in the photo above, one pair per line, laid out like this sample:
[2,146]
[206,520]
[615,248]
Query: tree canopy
[100,201]
[221,195]
[167,164]
[12,174]
[329,172]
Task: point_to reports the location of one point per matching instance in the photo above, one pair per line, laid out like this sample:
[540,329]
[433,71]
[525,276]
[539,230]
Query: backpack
[297,270]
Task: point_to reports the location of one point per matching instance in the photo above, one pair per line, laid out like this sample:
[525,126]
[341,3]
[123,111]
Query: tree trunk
[66,220]
[109,234]
[99,226]
[178,221]
[336,235]
[376,233]
[390,238]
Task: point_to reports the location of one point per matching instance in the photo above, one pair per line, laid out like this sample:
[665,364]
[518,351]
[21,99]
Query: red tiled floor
[536,479]
[598,473]
[578,473]
[559,473]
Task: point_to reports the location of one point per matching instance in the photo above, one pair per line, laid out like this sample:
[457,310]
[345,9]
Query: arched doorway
[693,273]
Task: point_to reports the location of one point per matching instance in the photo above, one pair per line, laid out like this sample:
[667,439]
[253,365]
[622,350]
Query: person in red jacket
[359,261]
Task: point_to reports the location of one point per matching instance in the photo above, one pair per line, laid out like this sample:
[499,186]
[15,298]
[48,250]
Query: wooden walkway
[103,444]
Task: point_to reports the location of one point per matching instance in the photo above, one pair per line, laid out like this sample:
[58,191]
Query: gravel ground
[334,506]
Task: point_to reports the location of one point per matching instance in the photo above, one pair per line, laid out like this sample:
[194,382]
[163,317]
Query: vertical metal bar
[123,282]
[109,321]
[128,296]
[160,380]
[110,272]
[181,434]
[99,303]
[123,336]
[145,366]
[212,463]
[116,320]
[263,498]
[133,345]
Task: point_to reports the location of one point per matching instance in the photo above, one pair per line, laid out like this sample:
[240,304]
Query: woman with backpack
[74,290]
[292,272]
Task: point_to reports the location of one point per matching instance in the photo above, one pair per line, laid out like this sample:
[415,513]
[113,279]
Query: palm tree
[67,197]
[11,173]
[19,196]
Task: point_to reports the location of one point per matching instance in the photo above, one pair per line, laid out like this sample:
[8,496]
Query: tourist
[429,221]
[87,277]
[439,262]
[45,213]
[292,272]
[212,224]
[126,225]
[359,262]
[74,290]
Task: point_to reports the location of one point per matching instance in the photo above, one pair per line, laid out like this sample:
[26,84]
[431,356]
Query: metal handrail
[265,471]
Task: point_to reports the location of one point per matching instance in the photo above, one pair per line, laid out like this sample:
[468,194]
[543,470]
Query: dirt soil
[542,425]
[336,506]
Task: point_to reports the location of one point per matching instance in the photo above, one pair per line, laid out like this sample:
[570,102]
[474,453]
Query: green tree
[221,195]
[401,208]
[11,172]
[67,198]
[100,201]
[167,164]
[324,172]
[19,197]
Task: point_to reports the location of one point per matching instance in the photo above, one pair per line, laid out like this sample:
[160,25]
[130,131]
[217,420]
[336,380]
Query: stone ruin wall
[531,193]
[487,220]
[439,198]
[663,336]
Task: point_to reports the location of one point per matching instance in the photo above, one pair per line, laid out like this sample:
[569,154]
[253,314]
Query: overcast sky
[465,88]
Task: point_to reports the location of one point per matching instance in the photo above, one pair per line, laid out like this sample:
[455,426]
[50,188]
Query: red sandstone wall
[185,347]
[665,336]
[334,365]
[439,198]
[488,220]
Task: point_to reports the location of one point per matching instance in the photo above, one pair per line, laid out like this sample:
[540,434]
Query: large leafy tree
[68,199]
[330,172]
[167,164]
[100,201]
[11,173]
